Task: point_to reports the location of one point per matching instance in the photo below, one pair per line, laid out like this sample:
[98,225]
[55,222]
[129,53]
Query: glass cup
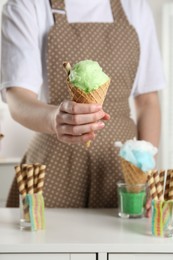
[24,214]
[162,218]
[132,200]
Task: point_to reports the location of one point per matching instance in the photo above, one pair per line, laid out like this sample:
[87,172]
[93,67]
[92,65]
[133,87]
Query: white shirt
[25,24]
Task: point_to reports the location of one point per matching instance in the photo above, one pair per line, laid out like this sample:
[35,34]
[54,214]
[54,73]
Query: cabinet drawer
[48,256]
[140,256]
[154,256]
[34,256]
[121,257]
[83,257]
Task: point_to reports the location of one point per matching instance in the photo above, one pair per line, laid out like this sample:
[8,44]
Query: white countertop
[81,230]
[9,160]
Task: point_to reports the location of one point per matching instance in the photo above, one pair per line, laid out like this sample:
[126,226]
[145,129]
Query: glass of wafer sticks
[160,185]
[30,181]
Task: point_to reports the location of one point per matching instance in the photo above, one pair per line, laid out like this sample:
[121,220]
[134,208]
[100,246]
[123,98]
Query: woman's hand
[76,123]
[72,122]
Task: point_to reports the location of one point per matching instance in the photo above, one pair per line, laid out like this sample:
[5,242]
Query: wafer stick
[28,172]
[24,168]
[152,187]
[20,182]
[170,194]
[36,173]
[168,176]
[67,67]
[158,185]
[22,190]
[162,178]
[30,179]
[41,177]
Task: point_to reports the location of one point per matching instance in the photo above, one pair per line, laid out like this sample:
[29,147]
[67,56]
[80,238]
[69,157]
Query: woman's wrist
[51,119]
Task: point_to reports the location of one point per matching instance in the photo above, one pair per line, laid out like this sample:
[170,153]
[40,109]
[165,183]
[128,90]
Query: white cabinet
[154,256]
[121,257]
[35,256]
[140,256]
[83,257]
[48,256]
[81,234]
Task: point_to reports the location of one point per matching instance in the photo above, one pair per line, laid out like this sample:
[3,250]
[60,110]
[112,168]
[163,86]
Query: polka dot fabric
[77,177]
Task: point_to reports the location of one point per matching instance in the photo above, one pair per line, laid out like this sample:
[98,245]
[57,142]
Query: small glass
[25,223]
[162,218]
[132,200]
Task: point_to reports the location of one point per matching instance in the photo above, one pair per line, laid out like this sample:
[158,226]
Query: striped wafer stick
[158,185]
[24,168]
[30,179]
[30,187]
[20,182]
[22,190]
[41,177]
[170,194]
[151,184]
[166,195]
[67,67]
[36,173]
[162,178]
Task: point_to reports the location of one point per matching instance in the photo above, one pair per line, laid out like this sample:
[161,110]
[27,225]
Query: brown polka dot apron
[76,176]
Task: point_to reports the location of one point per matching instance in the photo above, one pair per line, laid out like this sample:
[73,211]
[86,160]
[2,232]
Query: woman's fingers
[77,114]
[78,123]
[81,129]
[106,117]
[77,139]
[74,108]
[80,119]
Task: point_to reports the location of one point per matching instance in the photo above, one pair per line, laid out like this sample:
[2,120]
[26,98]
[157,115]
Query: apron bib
[76,176]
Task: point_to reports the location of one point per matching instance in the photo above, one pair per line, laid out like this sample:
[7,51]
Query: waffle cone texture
[94,97]
[132,176]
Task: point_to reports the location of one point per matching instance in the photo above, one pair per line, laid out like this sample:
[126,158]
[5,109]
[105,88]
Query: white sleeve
[150,76]
[21,57]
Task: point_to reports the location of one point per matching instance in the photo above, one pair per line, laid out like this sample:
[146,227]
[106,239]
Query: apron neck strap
[118,11]
[57,4]
[58,8]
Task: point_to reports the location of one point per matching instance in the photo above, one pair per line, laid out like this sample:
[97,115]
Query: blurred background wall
[16,137]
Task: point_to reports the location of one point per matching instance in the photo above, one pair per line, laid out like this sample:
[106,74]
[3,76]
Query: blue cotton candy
[139,153]
[144,160]
[129,156]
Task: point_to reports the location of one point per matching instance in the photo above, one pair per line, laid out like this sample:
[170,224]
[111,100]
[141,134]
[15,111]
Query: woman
[120,35]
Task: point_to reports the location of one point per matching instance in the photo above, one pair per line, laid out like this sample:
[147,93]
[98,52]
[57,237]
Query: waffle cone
[132,176]
[79,96]
[94,97]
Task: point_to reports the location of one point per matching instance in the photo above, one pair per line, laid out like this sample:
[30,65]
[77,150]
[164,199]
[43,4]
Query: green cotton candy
[87,75]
